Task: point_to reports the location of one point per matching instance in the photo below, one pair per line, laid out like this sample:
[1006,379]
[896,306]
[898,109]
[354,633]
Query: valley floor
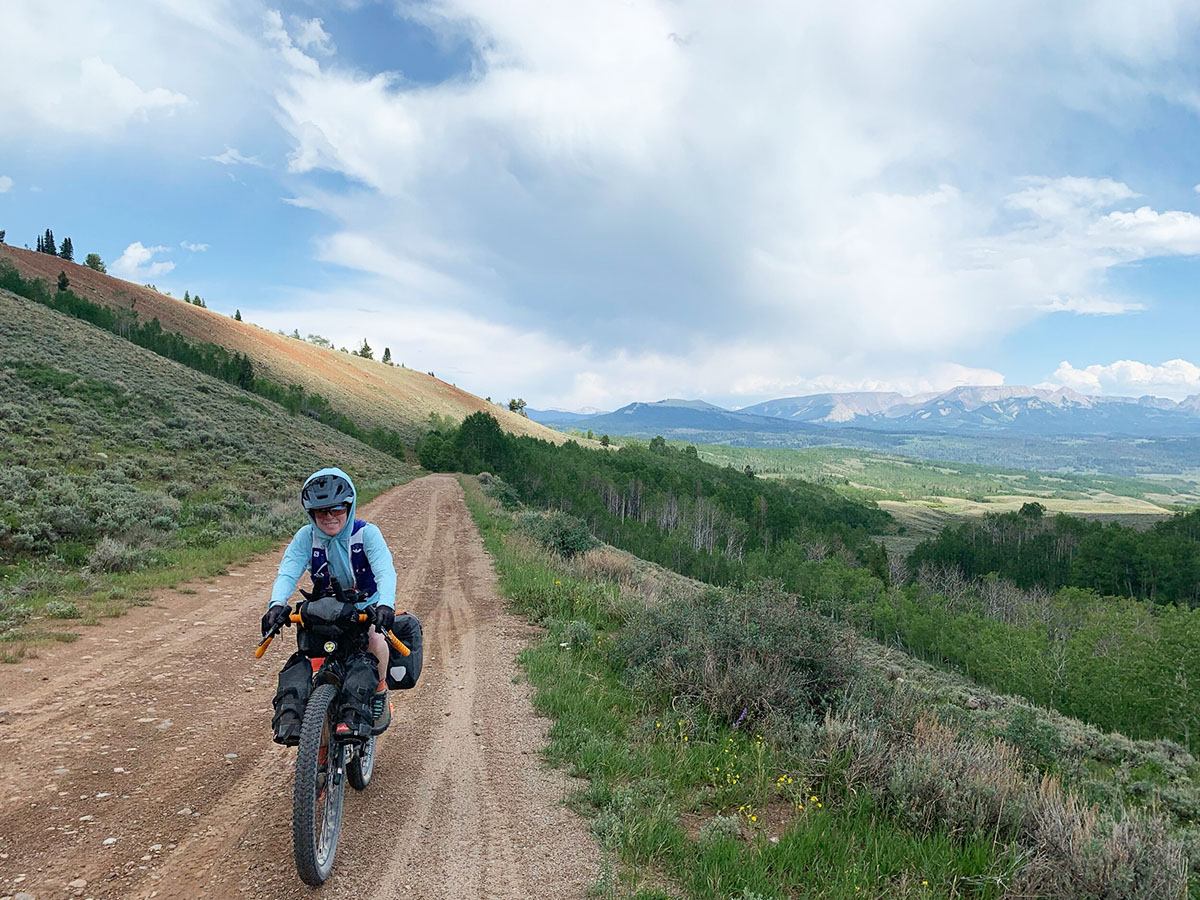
[153,730]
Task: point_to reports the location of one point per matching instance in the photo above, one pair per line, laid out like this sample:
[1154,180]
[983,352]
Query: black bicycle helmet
[323,491]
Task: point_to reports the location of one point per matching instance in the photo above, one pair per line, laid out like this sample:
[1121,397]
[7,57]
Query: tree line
[661,503]
[1161,563]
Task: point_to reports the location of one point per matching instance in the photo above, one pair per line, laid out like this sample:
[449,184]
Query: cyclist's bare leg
[378,647]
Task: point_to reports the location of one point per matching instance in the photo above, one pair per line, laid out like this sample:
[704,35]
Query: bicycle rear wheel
[360,769]
[319,788]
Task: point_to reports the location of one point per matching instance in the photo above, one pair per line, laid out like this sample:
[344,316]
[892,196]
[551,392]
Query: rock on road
[138,762]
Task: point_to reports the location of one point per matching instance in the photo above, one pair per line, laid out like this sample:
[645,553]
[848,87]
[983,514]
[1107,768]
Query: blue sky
[590,203]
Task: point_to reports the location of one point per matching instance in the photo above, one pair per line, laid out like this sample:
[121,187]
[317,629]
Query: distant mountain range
[1009,410]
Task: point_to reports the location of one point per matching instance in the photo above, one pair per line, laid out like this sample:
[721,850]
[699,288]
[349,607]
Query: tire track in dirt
[153,729]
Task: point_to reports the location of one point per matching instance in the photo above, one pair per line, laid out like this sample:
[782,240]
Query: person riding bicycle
[336,546]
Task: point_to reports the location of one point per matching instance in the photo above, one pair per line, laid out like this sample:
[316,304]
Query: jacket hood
[337,548]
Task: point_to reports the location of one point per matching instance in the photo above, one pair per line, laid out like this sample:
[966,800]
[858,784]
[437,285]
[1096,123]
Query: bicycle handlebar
[299,620]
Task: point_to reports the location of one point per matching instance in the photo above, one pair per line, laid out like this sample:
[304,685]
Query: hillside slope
[371,393]
[117,462]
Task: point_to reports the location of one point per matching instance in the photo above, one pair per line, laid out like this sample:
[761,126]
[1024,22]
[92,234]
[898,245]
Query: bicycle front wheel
[360,769]
[319,788]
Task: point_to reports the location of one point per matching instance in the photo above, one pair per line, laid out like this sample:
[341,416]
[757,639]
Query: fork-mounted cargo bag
[358,689]
[295,684]
[403,671]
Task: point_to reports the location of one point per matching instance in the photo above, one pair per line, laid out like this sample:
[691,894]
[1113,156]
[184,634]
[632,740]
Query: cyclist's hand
[276,617]
[385,617]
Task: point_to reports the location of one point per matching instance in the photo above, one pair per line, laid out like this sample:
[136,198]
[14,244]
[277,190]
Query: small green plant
[579,633]
[719,829]
[61,609]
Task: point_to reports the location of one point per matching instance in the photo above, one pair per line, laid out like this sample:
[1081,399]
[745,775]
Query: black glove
[407,627]
[276,617]
[385,617]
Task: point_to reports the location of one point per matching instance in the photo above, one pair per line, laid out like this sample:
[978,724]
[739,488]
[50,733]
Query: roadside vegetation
[123,471]
[1119,662]
[737,743]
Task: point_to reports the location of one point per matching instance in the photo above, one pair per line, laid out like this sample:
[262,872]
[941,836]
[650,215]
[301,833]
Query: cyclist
[336,545]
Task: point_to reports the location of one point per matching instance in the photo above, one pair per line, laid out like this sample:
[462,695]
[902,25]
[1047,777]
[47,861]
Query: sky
[591,203]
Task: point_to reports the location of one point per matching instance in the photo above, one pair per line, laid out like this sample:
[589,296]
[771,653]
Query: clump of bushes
[565,534]
[499,490]
[753,651]
[112,555]
[61,609]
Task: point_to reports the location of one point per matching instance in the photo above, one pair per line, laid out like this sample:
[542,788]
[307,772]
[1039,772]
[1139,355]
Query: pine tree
[94,261]
[39,244]
[365,350]
[387,356]
[63,281]
[48,245]
[237,315]
[67,252]
[187,298]
[1,235]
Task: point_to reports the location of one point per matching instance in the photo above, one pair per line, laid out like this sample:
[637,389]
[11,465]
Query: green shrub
[112,555]
[719,829]
[566,535]
[579,633]
[754,650]
[61,609]
[1037,740]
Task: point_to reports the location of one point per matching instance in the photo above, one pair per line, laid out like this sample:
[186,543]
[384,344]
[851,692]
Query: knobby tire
[318,790]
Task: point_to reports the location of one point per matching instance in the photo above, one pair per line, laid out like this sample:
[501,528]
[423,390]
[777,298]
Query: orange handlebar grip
[398,644]
[262,648]
[297,618]
[362,617]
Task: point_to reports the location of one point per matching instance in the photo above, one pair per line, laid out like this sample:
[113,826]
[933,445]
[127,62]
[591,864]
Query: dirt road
[137,762]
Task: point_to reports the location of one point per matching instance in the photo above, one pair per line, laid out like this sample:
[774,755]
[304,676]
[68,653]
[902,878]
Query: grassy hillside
[371,393]
[120,469]
[734,743]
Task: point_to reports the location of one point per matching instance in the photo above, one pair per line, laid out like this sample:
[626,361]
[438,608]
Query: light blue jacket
[298,556]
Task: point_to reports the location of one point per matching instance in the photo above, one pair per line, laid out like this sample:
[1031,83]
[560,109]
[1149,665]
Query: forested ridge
[1031,549]
[664,504]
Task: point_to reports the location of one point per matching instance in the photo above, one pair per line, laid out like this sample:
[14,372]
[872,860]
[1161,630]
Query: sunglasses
[330,511]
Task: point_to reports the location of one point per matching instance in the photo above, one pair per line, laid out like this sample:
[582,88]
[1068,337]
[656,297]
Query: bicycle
[325,762]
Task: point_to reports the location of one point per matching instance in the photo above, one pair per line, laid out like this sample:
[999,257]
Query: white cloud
[1175,378]
[232,157]
[312,36]
[171,68]
[1057,198]
[195,248]
[488,357]
[100,99]
[671,181]
[137,263]
[5,183]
